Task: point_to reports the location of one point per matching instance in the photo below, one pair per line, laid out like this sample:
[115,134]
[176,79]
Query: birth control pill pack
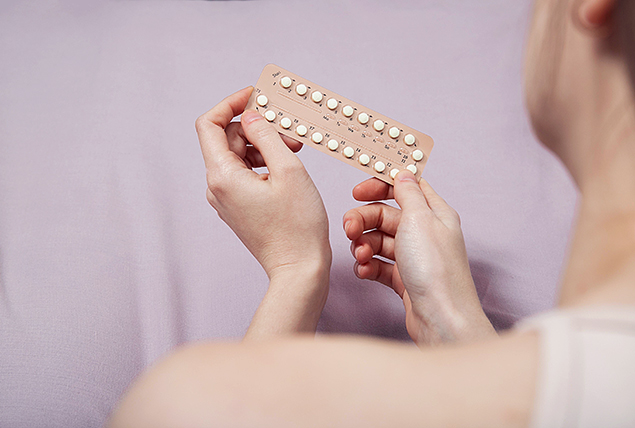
[335,125]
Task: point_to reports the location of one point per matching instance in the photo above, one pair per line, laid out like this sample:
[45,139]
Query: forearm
[293,303]
[337,382]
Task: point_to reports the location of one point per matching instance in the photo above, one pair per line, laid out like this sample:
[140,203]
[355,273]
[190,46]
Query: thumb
[267,141]
[408,194]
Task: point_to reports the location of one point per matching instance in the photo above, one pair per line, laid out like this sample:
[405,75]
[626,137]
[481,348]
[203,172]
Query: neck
[601,268]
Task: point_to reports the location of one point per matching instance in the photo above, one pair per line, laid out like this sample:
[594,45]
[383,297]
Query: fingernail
[406,175]
[251,116]
[357,251]
[346,225]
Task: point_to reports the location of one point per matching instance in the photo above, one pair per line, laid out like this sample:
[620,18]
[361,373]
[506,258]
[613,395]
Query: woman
[572,367]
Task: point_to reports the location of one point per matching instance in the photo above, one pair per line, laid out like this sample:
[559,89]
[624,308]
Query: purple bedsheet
[109,253]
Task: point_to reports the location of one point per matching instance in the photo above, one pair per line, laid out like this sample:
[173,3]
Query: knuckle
[348,214]
[376,270]
[211,199]
[292,167]
[261,130]
[200,124]
[215,183]
[220,178]
[380,244]
[233,128]
[454,214]
[457,216]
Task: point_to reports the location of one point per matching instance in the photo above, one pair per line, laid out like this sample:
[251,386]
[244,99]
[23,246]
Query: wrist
[312,268]
[294,301]
[302,278]
[305,283]
[453,320]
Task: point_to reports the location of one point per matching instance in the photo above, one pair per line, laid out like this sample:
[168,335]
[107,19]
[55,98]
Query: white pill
[409,139]
[332,103]
[394,132]
[285,122]
[270,115]
[349,152]
[262,100]
[417,155]
[363,118]
[301,89]
[412,169]
[333,144]
[393,173]
[364,159]
[379,125]
[380,166]
[301,130]
[348,111]
[286,81]
[317,96]
[317,137]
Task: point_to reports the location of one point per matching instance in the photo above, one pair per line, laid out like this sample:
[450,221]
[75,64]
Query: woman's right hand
[431,271]
[278,215]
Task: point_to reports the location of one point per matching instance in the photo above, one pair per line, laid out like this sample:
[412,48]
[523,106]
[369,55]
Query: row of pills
[348,111]
[333,144]
[301,130]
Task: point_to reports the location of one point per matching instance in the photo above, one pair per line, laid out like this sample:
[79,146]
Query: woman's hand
[279,215]
[431,272]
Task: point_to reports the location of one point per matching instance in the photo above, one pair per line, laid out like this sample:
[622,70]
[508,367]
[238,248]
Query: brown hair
[625,20]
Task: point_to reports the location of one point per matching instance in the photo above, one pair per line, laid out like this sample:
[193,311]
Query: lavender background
[109,253]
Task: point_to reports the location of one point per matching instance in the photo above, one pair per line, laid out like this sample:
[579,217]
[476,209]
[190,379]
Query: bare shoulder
[341,381]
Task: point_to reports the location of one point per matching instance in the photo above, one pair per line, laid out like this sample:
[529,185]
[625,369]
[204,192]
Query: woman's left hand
[278,215]
[431,272]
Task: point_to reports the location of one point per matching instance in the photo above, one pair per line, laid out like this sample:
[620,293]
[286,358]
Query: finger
[375,270]
[294,145]
[236,140]
[397,283]
[211,128]
[371,244]
[438,205]
[373,189]
[235,130]
[372,216]
[408,194]
[264,137]
[253,158]
[382,272]
[239,144]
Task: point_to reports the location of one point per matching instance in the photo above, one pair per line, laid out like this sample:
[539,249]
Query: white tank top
[587,368]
